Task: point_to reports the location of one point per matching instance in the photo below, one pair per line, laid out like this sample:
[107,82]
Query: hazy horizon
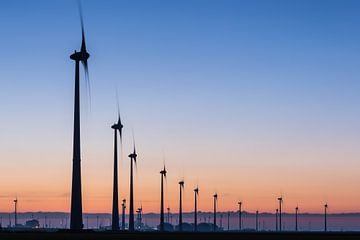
[249,99]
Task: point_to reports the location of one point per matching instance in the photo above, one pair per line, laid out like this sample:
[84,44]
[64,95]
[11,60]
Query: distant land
[307,221]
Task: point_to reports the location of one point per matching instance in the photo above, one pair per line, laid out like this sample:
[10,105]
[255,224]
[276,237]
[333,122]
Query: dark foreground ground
[66,235]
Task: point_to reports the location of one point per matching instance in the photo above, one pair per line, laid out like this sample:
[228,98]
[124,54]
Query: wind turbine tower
[181,184]
[280,199]
[325,217]
[163,174]
[132,157]
[196,193]
[240,212]
[115,207]
[15,212]
[296,218]
[215,201]
[76,221]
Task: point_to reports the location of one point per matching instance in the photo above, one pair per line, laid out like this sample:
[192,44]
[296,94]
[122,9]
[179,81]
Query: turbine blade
[83,45]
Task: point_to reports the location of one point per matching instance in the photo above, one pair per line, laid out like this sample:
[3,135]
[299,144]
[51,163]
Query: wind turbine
[163,174]
[132,157]
[325,217]
[76,221]
[257,220]
[296,218]
[276,220]
[123,205]
[215,196]
[15,212]
[115,207]
[240,204]
[280,199]
[196,193]
[181,184]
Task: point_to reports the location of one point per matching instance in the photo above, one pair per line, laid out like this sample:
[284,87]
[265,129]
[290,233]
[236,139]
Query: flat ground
[174,236]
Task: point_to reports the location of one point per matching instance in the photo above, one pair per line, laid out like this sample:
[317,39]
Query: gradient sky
[251,99]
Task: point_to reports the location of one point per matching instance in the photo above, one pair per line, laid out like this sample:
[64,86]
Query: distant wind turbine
[276,220]
[163,175]
[240,212]
[215,201]
[115,207]
[296,218]
[76,221]
[280,199]
[15,212]
[132,157]
[257,220]
[325,217]
[196,193]
[181,184]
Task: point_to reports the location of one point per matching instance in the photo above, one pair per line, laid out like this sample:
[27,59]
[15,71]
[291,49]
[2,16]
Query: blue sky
[268,84]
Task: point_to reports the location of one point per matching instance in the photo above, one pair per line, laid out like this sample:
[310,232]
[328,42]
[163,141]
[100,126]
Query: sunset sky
[249,99]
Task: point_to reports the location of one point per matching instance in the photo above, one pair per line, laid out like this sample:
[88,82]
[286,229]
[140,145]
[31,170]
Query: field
[39,235]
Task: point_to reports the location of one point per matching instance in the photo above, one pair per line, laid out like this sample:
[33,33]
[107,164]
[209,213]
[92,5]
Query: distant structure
[215,201]
[240,213]
[228,221]
[132,157]
[76,221]
[325,217]
[280,199]
[181,184]
[168,215]
[296,218]
[15,211]
[276,220]
[257,220]
[163,175]
[123,205]
[196,193]
[115,206]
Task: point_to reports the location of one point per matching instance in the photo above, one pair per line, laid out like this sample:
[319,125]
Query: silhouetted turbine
[325,217]
[296,218]
[181,184]
[76,198]
[15,212]
[196,192]
[257,220]
[132,157]
[163,174]
[115,207]
[276,219]
[240,212]
[280,199]
[215,201]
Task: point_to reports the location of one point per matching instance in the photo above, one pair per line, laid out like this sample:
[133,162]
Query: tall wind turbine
[296,218]
[132,157]
[196,193]
[115,207]
[325,217]
[163,174]
[123,205]
[240,212]
[215,201]
[280,199]
[76,221]
[181,184]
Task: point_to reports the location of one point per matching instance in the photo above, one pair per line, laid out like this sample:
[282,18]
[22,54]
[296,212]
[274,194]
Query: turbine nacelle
[196,190]
[80,56]
[181,183]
